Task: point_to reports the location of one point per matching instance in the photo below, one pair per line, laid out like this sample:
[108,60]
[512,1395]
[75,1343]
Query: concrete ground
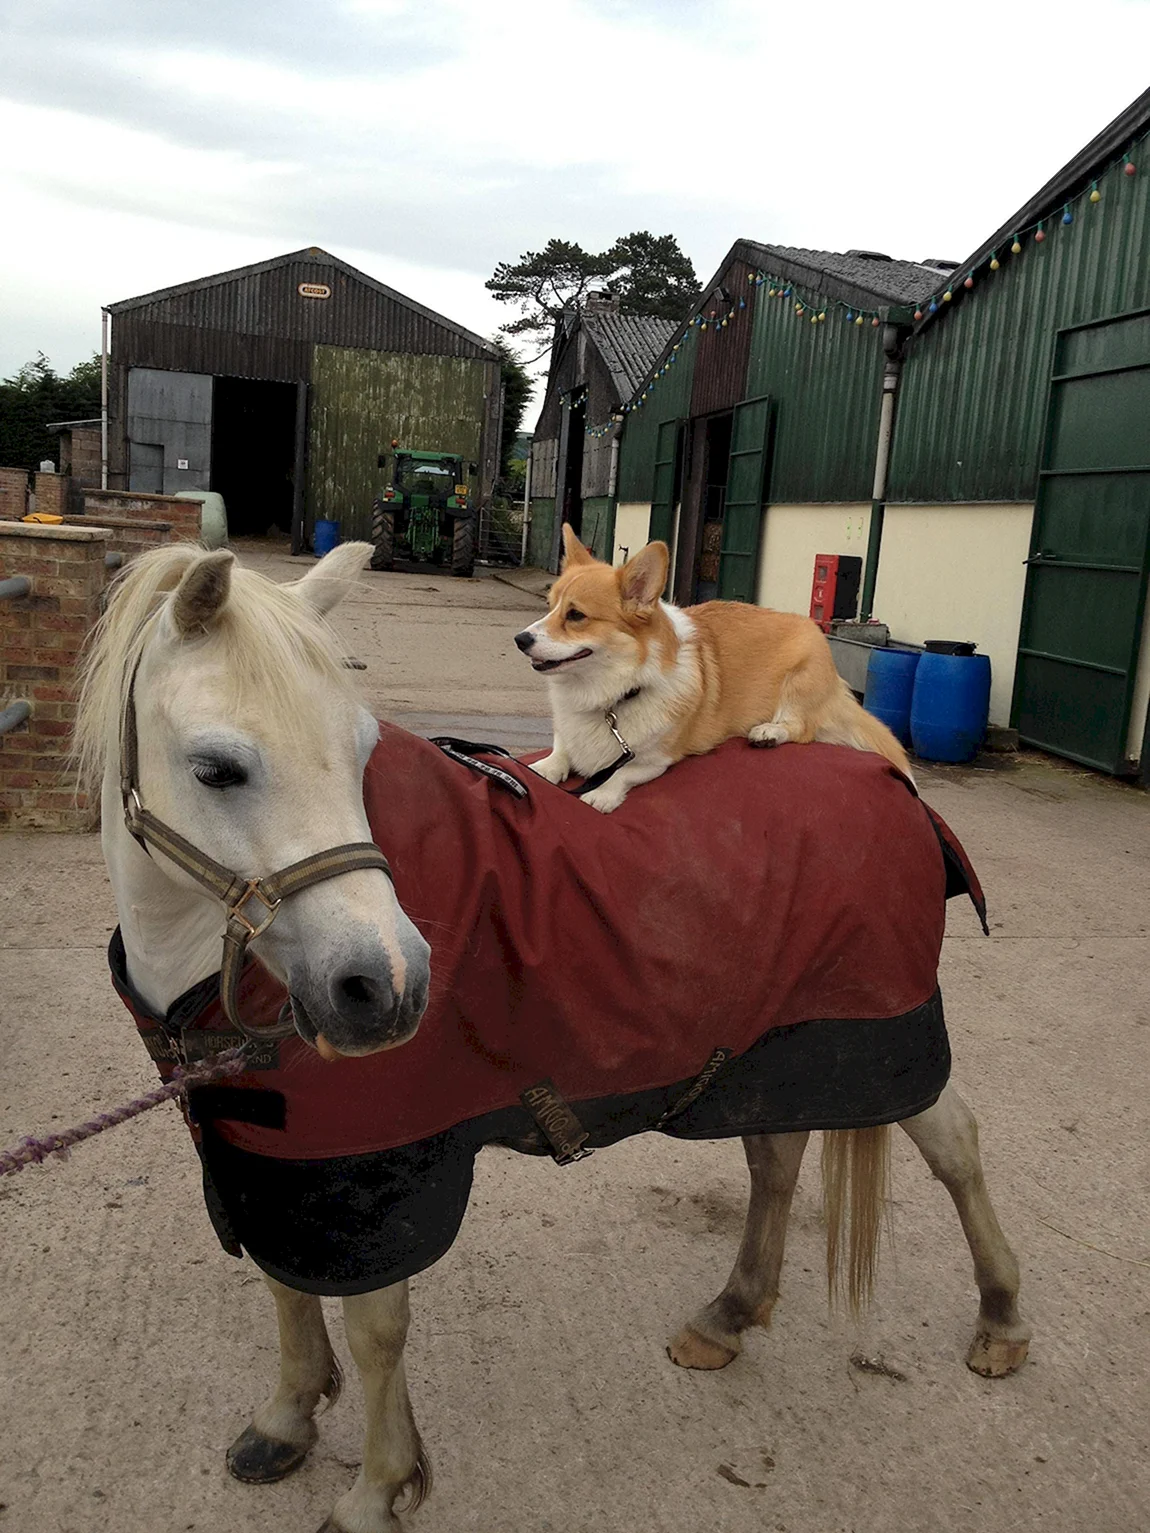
[132,1350]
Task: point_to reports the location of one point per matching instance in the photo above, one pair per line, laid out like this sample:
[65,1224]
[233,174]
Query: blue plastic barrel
[950,706]
[325,538]
[890,677]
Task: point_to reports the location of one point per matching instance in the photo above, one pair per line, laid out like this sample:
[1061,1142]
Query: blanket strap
[467,752]
[557,1121]
[705,1078]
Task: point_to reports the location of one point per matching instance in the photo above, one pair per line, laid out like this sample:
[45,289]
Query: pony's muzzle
[357,1008]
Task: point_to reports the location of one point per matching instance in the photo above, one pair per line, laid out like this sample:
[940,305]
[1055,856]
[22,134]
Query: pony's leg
[947,1137]
[282,1430]
[712,1338]
[393,1456]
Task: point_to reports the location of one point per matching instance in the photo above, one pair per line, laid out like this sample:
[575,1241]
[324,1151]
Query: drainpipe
[103,399]
[526,506]
[892,345]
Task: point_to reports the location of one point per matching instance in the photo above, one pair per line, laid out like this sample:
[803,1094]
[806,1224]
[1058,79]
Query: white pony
[253,745]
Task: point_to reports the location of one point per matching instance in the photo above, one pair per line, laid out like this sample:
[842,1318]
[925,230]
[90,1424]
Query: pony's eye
[219,774]
[575,616]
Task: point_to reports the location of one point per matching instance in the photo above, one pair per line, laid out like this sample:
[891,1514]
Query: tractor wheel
[463,547]
[383,536]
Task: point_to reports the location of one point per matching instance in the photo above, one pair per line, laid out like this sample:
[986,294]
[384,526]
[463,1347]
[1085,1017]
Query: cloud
[158,142]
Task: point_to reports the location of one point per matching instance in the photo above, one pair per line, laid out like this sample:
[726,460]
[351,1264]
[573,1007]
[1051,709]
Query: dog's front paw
[606,799]
[555,768]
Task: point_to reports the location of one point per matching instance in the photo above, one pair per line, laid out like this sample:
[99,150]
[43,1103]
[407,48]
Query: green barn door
[664,491]
[1090,547]
[743,517]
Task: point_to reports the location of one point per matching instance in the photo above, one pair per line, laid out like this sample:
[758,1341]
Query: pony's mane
[268,640]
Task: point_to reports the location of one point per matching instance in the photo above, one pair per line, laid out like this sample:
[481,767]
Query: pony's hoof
[258,1460]
[994,1357]
[690,1350]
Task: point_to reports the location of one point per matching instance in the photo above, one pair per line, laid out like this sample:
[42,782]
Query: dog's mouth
[553,665]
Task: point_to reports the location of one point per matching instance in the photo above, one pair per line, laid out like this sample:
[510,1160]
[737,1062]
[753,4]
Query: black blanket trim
[354,1223]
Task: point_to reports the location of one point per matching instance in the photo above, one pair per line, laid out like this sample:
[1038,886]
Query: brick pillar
[56,494]
[13,493]
[40,639]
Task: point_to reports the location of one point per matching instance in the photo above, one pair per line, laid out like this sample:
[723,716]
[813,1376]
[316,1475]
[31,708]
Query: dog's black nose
[525,640]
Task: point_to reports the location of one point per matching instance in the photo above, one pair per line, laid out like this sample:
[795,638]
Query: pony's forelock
[269,641]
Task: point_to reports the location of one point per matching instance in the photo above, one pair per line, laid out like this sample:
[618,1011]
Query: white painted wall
[958,572]
[793,537]
[632,528]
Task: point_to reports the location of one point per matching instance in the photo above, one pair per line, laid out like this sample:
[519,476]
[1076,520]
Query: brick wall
[13,492]
[58,495]
[80,455]
[183,515]
[40,639]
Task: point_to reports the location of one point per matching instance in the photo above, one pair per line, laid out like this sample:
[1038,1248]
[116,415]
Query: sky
[149,142]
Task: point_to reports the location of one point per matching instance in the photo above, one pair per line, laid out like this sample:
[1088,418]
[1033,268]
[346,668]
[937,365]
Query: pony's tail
[856,1175]
[846,722]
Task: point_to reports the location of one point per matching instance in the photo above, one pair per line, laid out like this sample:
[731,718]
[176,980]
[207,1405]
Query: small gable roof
[628,344]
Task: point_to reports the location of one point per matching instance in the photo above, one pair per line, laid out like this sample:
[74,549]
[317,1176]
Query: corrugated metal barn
[281,385]
[598,359]
[1019,496]
[759,420]
[1015,508]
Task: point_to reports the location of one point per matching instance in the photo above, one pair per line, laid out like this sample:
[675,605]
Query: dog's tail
[845,722]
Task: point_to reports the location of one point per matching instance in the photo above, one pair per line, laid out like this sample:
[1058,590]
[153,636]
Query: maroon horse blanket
[750,943]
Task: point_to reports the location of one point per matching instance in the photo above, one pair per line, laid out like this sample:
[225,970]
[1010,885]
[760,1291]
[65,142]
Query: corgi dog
[636,684]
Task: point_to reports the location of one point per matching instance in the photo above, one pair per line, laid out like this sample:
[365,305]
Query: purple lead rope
[31,1151]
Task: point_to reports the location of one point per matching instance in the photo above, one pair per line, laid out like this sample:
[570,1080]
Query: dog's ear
[574,552]
[642,579]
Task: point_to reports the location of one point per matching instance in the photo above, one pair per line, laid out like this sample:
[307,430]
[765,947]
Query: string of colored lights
[1037,231]
[817,308]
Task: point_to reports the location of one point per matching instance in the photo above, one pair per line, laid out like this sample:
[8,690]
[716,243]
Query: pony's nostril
[360,990]
[362,997]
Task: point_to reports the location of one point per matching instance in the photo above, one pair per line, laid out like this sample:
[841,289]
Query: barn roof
[864,278]
[308,257]
[628,344]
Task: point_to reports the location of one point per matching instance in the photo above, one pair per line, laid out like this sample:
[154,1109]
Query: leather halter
[263,896]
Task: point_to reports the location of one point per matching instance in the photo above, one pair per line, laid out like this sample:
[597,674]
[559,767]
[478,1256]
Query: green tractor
[424,513]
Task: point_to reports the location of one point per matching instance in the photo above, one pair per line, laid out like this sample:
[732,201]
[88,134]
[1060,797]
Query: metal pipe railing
[14,714]
[15,585]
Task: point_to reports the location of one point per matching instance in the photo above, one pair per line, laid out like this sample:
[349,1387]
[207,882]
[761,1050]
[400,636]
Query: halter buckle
[253,890]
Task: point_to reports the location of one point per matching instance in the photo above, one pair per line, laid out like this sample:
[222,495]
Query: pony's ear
[333,577]
[574,551]
[642,579]
[202,594]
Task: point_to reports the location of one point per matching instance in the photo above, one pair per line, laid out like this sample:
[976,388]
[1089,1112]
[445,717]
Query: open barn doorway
[253,453]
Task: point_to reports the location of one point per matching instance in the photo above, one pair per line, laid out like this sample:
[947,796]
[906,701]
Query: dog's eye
[219,774]
[575,616]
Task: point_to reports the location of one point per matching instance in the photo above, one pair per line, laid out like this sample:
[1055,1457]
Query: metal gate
[1090,547]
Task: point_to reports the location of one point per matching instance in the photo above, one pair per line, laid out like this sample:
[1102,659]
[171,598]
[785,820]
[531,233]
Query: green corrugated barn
[598,358]
[282,384]
[1001,494]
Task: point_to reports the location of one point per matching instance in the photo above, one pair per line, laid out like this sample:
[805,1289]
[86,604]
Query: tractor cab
[424,513]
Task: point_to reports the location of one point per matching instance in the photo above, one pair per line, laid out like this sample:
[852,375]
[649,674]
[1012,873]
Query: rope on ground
[35,1149]
[1133,1261]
